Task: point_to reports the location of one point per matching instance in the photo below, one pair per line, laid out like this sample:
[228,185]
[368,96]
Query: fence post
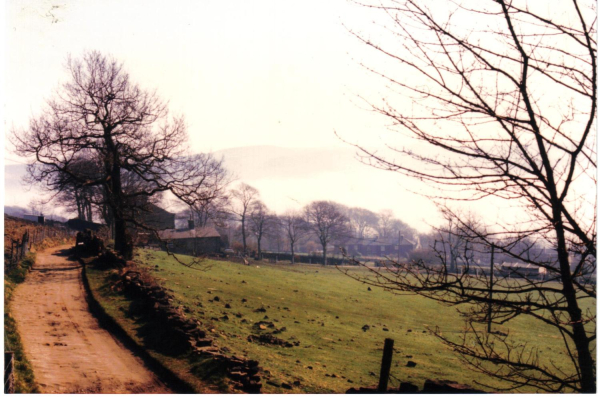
[9,373]
[386,364]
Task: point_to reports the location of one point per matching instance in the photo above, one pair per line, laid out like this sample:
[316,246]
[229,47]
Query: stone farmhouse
[379,247]
[192,241]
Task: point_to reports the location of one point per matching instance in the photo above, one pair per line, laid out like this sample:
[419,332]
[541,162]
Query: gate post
[386,364]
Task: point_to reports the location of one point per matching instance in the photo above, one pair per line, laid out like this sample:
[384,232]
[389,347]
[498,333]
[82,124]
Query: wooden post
[386,364]
[9,373]
[491,291]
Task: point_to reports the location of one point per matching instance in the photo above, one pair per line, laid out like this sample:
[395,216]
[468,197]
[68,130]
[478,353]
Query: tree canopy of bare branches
[501,95]
[295,227]
[263,223]
[101,116]
[242,200]
[328,222]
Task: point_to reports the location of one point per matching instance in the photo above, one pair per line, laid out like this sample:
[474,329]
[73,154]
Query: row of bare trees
[327,222]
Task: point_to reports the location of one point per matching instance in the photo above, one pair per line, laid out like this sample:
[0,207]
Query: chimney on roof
[190,224]
[41,219]
[400,238]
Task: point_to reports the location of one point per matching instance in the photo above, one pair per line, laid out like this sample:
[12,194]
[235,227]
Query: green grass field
[325,311]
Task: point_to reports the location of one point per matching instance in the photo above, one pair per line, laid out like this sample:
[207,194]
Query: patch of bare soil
[69,351]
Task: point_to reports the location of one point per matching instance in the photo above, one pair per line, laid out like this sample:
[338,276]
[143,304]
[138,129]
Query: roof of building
[200,232]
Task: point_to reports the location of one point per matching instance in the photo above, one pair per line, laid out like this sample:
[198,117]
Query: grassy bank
[339,325]
[24,378]
[327,313]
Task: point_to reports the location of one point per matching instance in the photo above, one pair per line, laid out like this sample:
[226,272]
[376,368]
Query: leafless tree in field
[501,97]
[242,200]
[328,223]
[100,114]
[262,223]
[295,227]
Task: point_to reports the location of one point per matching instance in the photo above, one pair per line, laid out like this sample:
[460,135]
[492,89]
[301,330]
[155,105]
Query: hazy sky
[243,73]
[259,73]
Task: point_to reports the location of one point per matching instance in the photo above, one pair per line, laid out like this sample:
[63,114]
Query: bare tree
[242,200]
[101,114]
[362,220]
[384,223]
[262,223]
[214,212]
[503,96]
[328,222]
[295,227]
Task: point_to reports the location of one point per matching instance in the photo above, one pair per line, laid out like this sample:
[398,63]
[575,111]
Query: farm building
[34,218]
[193,241]
[379,247]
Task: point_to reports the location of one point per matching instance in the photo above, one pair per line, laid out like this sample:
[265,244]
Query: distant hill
[19,212]
[259,162]
[15,211]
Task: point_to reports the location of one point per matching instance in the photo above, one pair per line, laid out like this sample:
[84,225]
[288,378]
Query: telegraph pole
[489,314]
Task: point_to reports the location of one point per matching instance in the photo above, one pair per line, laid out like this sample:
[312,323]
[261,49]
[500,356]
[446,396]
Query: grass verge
[24,377]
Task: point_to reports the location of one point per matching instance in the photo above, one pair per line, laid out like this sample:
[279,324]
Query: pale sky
[257,73]
[244,73]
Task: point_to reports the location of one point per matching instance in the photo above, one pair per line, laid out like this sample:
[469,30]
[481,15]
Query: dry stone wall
[186,333]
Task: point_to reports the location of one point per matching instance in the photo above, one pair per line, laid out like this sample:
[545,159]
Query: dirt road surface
[69,351]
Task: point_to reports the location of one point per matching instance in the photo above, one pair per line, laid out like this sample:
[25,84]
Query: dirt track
[69,351]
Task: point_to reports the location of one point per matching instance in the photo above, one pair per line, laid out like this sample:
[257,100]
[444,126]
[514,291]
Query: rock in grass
[273,383]
[365,328]
[411,364]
